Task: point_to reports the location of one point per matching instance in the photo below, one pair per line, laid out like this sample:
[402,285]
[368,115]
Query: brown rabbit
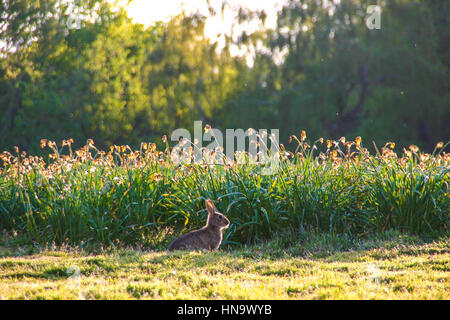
[209,237]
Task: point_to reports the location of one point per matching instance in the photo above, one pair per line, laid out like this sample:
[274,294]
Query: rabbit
[209,237]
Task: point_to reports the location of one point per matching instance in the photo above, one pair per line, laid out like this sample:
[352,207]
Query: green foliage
[340,78]
[128,196]
[320,69]
[110,79]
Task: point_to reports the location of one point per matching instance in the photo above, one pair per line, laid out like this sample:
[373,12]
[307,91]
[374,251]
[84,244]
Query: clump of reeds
[134,196]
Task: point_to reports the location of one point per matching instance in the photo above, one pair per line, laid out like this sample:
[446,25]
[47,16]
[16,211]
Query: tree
[34,60]
[340,78]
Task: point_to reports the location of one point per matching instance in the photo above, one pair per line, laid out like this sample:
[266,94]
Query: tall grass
[146,197]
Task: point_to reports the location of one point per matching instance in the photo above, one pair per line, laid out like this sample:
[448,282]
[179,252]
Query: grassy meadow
[332,222]
[358,207]
[313,267]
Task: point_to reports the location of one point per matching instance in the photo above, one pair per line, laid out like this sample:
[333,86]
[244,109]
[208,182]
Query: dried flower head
[303,135]
[43,143]
[414,148]
[390,145]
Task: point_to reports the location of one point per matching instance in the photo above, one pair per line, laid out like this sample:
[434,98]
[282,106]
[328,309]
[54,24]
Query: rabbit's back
[199,239]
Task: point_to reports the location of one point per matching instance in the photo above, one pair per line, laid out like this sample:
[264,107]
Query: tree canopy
[82,69]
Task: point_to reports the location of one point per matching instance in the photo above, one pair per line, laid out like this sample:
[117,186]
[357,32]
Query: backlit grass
[146,197]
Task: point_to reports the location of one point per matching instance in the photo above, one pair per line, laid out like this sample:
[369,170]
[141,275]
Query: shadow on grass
[50,274]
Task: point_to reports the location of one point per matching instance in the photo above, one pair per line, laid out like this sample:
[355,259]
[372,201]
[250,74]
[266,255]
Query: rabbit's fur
[209,237]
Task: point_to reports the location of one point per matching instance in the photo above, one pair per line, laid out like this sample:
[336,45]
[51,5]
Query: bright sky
[149,11]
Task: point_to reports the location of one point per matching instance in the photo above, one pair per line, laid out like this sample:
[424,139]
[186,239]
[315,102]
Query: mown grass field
[319,267]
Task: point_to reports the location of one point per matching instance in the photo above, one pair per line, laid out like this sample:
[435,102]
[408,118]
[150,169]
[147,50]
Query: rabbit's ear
[210,207]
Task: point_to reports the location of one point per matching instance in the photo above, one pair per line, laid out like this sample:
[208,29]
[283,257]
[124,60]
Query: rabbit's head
[215,218]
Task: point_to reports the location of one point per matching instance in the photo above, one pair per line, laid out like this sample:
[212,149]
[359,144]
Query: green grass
[295,266]
[92,198]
